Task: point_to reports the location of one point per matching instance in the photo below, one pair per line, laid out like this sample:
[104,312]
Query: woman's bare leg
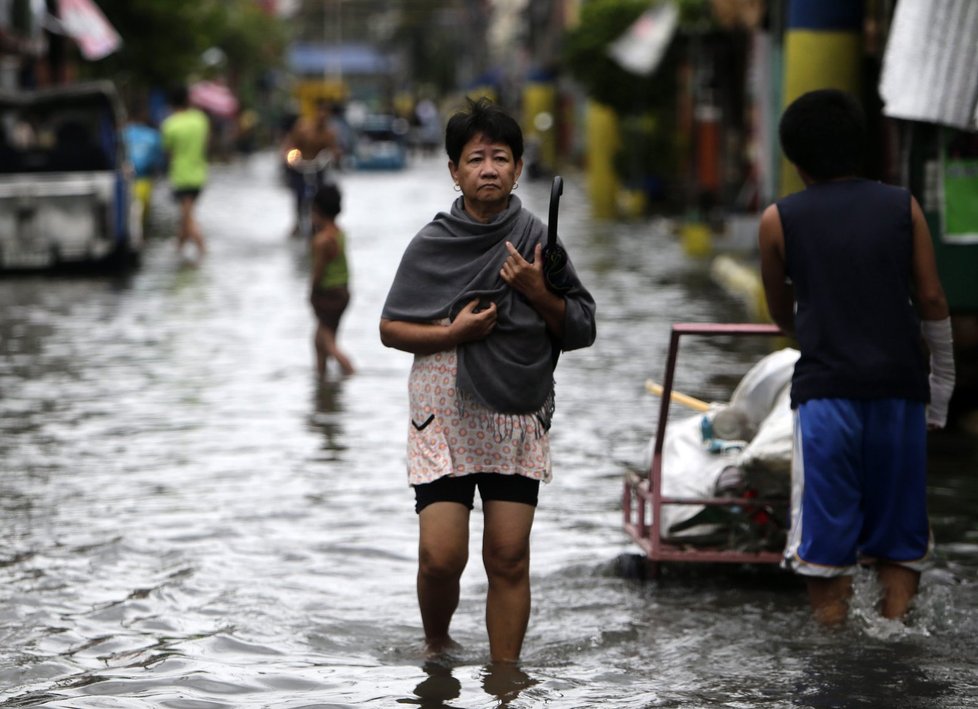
[443,551]
[506,555]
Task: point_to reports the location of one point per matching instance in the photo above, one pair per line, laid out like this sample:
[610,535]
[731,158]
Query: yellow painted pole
[603,142]
[822,49]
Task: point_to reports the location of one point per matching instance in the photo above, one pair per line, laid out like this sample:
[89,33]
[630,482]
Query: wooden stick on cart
[678,397]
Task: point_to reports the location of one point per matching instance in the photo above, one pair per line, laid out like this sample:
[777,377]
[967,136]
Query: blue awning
[347,59]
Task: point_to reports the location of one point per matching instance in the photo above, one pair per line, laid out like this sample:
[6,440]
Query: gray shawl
[455,259]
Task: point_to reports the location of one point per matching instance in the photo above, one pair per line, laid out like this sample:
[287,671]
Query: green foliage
[694,14]
[586,56]
[431,45]
[163,40]
[648,149]
[646,104]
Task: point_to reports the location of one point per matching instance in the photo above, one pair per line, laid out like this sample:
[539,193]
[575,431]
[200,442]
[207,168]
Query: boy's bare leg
[830,598]
[321,355]
[326,343]
[899,588]
[197,236]
[443,551]
[186,222]
[189,231]
[506,555]
[183,235]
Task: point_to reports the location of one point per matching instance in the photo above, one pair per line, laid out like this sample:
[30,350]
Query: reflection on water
[189,519]
[888,677]
[327,414]
[502,683]
[506,682]
[437,689]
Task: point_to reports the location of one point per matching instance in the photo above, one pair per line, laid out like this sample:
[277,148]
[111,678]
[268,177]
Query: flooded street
[188,520]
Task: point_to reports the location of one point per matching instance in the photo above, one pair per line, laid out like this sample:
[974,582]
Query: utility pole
[822,49]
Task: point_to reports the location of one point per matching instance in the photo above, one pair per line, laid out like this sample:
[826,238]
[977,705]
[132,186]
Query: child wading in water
[330,278]
[848,266]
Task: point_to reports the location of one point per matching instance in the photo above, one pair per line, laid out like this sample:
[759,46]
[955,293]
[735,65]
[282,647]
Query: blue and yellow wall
[822,49]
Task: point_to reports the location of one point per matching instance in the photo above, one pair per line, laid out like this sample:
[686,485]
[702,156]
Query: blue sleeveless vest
[848,253]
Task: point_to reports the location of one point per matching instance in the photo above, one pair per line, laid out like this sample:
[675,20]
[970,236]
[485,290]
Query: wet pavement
[189,520]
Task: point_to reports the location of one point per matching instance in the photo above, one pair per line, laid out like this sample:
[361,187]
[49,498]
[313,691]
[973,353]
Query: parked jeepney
[66,187]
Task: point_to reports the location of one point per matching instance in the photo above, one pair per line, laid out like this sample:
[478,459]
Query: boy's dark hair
[482,116]
[327,200]
[179,96]
[823,132]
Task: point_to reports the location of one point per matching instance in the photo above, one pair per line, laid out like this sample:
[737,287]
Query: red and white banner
[85,23]
[640,49]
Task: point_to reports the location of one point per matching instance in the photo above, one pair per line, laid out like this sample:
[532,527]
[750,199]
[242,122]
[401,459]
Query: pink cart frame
[642,498]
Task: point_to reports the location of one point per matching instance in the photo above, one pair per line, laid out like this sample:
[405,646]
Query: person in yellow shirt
[185,134]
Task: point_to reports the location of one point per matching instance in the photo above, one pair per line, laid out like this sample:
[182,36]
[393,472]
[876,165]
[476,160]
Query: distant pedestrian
[307,138]
[145,149]
[330,293]
[185,135]
[848,266]
[469,301]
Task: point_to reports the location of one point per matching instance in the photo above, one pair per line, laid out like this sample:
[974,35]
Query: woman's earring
[458,187]
[516,185]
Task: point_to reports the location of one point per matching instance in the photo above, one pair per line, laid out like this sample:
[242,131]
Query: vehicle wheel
[123,258]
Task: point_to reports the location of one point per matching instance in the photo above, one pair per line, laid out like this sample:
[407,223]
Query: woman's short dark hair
[327,200]
[482,116]
[823,132]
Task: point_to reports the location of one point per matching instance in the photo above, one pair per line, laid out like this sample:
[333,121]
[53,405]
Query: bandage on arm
[937,334]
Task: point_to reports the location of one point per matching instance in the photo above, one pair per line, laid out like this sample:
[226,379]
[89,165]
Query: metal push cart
[643,499]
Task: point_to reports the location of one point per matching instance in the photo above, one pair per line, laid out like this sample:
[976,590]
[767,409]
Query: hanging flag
[85,23]
[640,49]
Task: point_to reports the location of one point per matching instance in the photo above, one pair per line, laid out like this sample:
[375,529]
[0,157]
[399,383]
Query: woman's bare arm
[470,324]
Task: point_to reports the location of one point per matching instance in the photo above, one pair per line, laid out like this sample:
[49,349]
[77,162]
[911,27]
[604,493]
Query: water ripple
[188,520]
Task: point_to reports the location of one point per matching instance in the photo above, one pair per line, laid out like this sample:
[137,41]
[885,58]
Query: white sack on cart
[691,466]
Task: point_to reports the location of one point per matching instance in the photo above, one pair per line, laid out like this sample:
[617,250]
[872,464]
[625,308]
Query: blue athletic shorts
[492,486]
[859,485]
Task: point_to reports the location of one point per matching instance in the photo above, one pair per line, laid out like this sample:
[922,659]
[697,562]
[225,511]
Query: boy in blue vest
[848,266]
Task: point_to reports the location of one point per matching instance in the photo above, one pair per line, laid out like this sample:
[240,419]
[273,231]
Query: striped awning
[930,65]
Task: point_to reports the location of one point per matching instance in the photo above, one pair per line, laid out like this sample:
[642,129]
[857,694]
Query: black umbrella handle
[555,191]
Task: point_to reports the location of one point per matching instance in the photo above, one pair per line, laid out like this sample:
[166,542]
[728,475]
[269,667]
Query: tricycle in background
[66,186]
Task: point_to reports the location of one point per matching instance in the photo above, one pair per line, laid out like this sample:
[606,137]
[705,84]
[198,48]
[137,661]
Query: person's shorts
[329,305]
[859,486]
[180,192]
[492,486]
[297,181]
[143,190]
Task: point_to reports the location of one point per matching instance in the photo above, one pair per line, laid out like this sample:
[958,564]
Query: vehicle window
[54,139]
